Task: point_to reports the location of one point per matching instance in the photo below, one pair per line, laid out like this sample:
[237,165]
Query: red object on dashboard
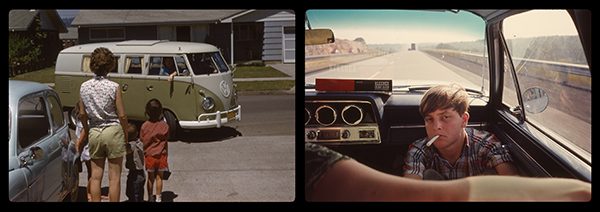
[334,85]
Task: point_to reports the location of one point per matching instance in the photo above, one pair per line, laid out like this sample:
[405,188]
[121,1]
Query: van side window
[85,65]
[155,64]
[183,69]
[33,123]
[133,65]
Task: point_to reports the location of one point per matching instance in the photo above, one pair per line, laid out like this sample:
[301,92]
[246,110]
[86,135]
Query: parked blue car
[42,163]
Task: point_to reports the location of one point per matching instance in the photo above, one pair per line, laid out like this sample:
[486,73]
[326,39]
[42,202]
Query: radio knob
[346,134]
[311,135]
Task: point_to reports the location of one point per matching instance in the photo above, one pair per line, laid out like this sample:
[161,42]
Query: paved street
[222,165]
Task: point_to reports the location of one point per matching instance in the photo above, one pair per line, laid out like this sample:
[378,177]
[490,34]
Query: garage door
[289,44]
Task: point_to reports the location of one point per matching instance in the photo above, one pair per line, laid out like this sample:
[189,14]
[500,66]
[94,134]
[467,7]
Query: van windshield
[207,63]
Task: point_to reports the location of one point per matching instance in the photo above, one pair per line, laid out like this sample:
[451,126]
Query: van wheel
[172,122]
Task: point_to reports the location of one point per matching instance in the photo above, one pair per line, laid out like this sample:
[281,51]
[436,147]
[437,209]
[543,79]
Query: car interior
[393,116]
[33,125]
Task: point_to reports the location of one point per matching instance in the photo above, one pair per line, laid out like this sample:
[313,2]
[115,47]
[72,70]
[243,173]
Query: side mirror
[28,157]
[185,72]
[318,36]
[535,100]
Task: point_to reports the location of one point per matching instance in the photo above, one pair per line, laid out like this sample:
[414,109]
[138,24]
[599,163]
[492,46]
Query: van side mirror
[318,36]
[185,72]
[535,100]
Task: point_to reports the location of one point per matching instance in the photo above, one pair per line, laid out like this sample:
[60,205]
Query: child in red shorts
[154,134]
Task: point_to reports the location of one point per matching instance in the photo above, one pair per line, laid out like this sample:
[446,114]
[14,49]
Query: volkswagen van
[201,95]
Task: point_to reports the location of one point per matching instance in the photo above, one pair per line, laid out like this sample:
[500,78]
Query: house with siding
[242,35]
[69,38]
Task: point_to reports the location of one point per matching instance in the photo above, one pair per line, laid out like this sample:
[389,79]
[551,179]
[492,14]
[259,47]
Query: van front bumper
[216,119]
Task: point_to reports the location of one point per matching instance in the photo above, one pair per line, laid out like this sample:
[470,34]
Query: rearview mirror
[318,36]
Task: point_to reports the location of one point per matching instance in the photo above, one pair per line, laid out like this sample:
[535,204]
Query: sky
[67,13]
[399,26]
[539,23]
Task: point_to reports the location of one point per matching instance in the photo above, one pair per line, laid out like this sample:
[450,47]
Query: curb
[272,92]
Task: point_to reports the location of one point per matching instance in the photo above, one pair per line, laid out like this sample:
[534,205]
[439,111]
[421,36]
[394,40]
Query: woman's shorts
[107,142]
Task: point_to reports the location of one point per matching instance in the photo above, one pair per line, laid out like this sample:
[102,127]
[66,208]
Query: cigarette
[432,140]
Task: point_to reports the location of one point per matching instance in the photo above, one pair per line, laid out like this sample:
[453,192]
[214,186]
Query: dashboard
[370,118]
[374,128]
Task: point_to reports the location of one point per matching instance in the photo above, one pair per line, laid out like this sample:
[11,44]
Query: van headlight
[208,103]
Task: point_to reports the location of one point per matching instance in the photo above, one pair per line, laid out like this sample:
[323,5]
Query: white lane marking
[376,73]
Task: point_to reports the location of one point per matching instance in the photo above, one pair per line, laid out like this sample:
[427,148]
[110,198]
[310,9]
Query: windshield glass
[409,47]
[207,63]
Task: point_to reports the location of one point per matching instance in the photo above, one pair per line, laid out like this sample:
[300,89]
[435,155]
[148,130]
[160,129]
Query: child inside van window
[154,134]
[168,68]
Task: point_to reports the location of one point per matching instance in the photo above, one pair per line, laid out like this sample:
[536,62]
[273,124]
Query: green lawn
[265,85]
[43,76]
[257,72]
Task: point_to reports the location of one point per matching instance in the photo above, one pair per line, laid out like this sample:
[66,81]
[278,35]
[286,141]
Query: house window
[245,32]
[183,33]
[107,34]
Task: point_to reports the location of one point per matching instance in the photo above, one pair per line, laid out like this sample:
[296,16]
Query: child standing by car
[154,134]
[134,162]
[83,148]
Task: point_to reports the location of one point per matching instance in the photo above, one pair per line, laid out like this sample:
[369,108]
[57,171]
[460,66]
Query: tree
[25,49]
[21,52]
[359,39]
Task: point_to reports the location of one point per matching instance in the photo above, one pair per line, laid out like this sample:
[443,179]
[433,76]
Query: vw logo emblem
[224,87]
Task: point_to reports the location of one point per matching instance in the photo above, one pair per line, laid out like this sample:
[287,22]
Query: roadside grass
[265,85]
[45,75]
[257,72]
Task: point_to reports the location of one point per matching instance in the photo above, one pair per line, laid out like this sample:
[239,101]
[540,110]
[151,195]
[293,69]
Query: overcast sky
[539,23]
[399,26]
[67,13]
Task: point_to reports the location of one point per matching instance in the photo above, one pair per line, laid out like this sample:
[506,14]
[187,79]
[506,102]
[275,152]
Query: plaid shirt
[481,154]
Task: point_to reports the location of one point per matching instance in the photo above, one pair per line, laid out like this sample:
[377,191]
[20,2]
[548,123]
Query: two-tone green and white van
[201,95]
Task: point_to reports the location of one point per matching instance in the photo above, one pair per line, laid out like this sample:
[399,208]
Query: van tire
[173,124]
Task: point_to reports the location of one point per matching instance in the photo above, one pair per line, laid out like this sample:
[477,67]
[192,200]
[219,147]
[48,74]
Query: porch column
[231,40]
